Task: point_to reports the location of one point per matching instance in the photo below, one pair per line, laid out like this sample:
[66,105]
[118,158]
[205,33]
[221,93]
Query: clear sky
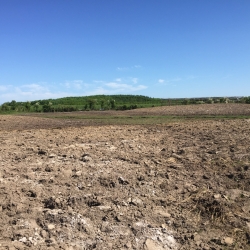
[157,48]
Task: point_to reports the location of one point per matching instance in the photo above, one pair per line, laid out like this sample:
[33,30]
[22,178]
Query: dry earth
[176,186]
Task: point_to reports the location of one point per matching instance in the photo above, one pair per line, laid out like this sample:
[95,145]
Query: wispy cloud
[129,68]
[4,88]
[135,80]
[122,87]
[45,90]
[122,68]
[137,66]
[28,92]
[75,84]
[169,81]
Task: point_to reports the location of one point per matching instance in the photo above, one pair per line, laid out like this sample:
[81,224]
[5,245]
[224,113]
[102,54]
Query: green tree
[247,100]
[5,107]
[185,102]
[27,106]
[13,105]
[91,103]
[112,104]
[37,105]
[102,102]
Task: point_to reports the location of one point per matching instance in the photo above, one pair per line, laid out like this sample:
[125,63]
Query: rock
[176,166]
[228,241]
[86,158]
[177,156]
[51,226]
[217,196]
[43,234]
[162,212]
[67,172]
[248,225]
[52,155]
[135,201]
[105,208]
[128,245]
[57,201]
[171,160]
[197,237]
[31,240]
[122,181]
[24,239]
[151,245]
[78,173]
[246,207]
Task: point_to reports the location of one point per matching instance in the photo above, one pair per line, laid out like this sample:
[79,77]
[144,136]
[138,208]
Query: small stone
[136,201]
[52,155]
[128,245]
[228,240]
[86,158]
[51,226]
[105,208]
[171,160]
[217,196]
[197,237]
[122,181]
[43,233]
[151,245]
[67,172]
[248,225]
[162,212]
[24,239]
[78,173]
[57,200]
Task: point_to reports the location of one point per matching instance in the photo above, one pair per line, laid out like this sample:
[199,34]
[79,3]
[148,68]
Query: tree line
[108,102]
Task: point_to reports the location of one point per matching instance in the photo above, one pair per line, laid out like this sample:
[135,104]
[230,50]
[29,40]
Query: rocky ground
[182,185]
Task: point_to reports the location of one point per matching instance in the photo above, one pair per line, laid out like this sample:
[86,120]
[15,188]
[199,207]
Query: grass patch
[93,119]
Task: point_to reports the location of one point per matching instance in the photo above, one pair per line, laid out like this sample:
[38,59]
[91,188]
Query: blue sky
[161,48]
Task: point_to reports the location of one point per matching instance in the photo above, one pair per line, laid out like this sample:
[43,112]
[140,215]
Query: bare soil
[182,185]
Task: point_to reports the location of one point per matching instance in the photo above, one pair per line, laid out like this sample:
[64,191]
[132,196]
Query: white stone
[51,226]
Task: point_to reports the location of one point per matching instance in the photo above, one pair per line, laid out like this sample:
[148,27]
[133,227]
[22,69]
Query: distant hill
[107,102]
[82,100]
[95,102]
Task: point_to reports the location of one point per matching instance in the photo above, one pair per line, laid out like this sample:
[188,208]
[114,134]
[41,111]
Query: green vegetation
[92,119]
[68,104]
[107,102]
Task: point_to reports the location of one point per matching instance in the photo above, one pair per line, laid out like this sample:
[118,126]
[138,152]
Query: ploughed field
[169,184]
